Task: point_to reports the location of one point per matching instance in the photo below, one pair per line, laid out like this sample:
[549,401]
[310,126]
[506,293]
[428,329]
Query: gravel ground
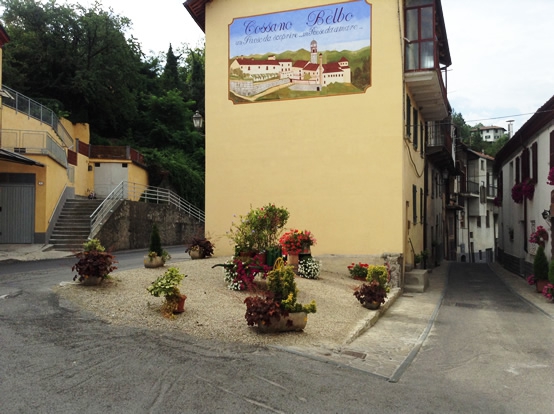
[212,311]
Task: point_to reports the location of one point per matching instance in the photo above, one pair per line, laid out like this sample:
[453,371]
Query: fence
[138,192]
[33,109]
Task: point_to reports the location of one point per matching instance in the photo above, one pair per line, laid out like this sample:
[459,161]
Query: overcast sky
[502,51]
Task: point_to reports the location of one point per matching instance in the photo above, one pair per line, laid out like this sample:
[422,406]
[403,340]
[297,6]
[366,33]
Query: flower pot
[540,284]
[371,305]
[272,255]
[153,262]
[296,321]
[181,304]
[92,281]
[196,254]
[292,259]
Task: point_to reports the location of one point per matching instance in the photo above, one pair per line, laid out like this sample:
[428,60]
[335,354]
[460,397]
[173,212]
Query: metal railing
[138,192]
[33,109]
[33,142]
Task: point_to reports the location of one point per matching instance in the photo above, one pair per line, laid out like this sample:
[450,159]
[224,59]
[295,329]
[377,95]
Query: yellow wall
[337,163]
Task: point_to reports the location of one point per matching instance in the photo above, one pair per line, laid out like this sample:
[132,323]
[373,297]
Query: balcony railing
[116,153]
[33,109]
[33,142]
[492,191]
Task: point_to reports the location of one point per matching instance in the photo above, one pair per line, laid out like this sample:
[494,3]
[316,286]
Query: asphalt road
[489,352]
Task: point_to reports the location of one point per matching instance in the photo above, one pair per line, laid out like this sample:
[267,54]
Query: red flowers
[294,241]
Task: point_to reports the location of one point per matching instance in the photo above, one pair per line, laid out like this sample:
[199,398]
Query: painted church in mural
[305,75]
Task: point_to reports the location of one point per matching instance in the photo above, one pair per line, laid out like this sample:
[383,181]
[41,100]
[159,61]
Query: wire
[509,116]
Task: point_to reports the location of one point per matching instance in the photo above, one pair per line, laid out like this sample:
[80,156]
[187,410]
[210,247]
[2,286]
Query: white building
[476,219]
[526,159]
[491,133]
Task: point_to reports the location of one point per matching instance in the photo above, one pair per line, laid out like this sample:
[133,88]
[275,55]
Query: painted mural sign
[312,52]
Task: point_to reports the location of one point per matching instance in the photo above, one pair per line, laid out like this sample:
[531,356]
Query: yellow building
[45,160]
[362,164]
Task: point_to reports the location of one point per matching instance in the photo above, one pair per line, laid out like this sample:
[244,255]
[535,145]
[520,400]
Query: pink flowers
[540,236]
[550,179]
[548,291]
[525,189]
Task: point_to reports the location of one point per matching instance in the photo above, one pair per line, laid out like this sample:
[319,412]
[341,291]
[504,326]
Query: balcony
[439,146]
[426,49]
[428,91]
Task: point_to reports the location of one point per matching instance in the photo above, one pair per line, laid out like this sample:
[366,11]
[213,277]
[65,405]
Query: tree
[170,76]
[76,56]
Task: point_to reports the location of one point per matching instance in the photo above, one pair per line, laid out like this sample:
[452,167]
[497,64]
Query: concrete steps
[73,225]
[416,280]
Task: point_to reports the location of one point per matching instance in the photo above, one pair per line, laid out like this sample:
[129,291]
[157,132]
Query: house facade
[351,141]
[523,167]
[477,215]
[491,133]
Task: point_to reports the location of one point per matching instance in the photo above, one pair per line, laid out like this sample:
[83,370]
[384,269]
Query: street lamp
[197,120]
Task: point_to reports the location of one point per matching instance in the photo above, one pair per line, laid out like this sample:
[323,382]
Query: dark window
[535,161]
[123,165]
[408,116]
[421,204]
[414,203]
[478,221]
[517,170]
[524,164]
[416,128]
[487,220]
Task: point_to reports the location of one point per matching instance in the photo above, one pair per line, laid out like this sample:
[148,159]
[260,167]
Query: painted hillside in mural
[332,57]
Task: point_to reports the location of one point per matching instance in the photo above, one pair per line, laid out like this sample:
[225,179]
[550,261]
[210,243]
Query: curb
[374,316]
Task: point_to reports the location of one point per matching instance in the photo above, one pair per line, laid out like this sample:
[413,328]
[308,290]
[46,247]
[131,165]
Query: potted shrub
[200,248]
[277,310]
[372,294]
[94,263]
[157,256]
[257,232]
[358,270]
[167,285]
[540,269]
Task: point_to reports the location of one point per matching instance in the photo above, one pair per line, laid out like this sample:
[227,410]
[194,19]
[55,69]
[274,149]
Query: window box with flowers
[523,190]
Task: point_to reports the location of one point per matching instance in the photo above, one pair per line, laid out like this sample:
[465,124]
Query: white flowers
[308,268]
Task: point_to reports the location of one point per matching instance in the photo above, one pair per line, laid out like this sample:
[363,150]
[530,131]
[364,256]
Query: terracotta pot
[153,262]
[292,259]
[540,284]
[296,321]
[181,305]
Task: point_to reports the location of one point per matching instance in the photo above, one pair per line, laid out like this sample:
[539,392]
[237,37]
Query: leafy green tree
[170,76]
[77,56]
[81,63]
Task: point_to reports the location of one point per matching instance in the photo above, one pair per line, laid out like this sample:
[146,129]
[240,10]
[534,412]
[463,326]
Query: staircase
[73,226]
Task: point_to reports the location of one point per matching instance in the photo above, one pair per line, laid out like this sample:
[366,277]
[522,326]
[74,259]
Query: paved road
[486,352]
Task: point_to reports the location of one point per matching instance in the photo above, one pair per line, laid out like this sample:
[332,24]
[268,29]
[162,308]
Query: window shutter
[535,161]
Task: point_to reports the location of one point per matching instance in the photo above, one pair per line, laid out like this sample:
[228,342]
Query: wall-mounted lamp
[546,214]
[197,120]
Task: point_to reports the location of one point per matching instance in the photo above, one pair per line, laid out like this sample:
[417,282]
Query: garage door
[17,208]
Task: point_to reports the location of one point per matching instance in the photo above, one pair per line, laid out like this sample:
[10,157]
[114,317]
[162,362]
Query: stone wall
[130,226]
